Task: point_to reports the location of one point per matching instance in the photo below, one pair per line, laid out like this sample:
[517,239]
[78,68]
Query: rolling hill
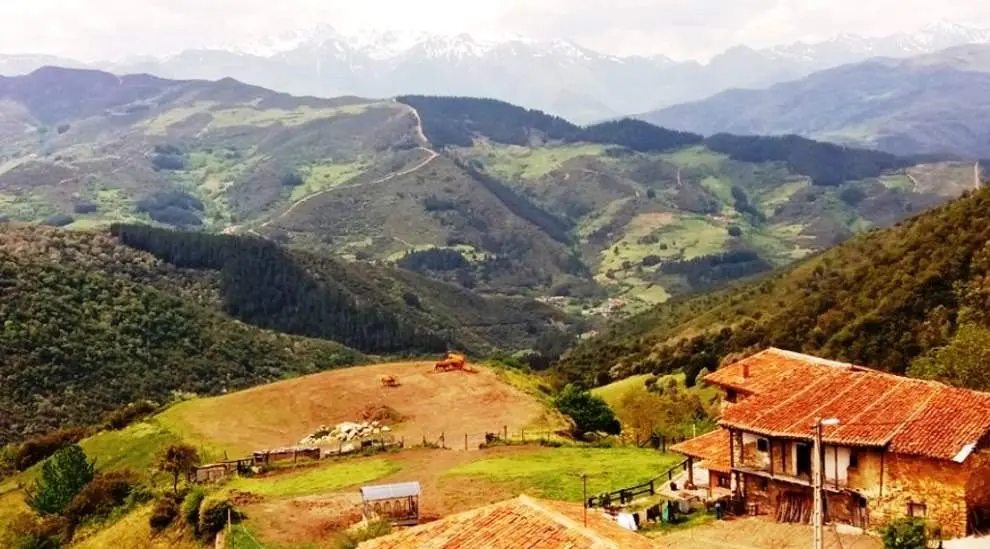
[480,193]
[934,103]
[894,299]
[92,321]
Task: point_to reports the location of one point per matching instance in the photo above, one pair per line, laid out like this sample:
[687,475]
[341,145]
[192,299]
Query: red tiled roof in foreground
[711,448]
[875,409]
[519,522]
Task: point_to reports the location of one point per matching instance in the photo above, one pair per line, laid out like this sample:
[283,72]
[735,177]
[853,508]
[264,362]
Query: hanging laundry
[626,521]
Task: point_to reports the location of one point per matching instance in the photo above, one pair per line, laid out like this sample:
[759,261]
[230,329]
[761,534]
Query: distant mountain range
[477,192]
[555,76]
[932,103]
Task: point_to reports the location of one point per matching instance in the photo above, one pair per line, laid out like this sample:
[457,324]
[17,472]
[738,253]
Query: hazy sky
[92,29]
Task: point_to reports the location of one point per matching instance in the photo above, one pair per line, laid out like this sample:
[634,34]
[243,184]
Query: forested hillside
[371,308]
[928,104]
[82,334]
[913,298]
[532,204]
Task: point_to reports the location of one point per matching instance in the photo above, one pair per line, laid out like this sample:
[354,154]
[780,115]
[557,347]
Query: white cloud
[682,28]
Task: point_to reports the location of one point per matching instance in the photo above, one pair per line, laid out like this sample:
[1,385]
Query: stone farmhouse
[902,447]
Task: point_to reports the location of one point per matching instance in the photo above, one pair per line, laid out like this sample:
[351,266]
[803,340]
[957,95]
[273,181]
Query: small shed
[212,472]
[397,502]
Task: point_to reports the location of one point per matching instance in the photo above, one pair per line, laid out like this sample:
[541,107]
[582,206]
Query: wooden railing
[627,495]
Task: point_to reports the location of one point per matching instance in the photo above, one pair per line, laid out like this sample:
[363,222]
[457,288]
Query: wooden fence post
[465,441]
[522,434]
[443,440]
[505,429]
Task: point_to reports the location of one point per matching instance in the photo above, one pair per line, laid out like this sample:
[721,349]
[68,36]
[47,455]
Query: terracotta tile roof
[874,408]
[519,522]
[711,448]
[769,368]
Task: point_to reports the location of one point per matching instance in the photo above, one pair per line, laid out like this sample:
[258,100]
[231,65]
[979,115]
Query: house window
[724,481]
[730,395]
[853,460]
[917,510]
[763,445]
[763,484]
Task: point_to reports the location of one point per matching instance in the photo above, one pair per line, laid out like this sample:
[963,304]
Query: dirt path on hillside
[430,156]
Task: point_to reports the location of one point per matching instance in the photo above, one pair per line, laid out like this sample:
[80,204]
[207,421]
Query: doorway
[803,458]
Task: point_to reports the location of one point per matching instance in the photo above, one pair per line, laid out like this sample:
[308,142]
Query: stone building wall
[938,484]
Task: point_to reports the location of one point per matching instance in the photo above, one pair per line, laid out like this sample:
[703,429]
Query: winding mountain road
[431,155]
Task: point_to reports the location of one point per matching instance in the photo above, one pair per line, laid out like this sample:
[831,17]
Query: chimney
[745,370]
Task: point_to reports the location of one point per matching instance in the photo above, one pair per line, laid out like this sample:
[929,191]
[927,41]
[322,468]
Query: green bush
[905,533]
[590,413]
[191,505]
[164,513]
[213,513]
[62,477]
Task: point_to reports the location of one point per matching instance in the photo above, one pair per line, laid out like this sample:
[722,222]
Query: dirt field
[280,414]
[758,533]
[294,521]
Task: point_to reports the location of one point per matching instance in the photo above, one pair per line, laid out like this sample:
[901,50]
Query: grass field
[697,156]
[530,163]
[324,176]
[135,446]
[555,473]
[133,532]
[613,392]
[326,477]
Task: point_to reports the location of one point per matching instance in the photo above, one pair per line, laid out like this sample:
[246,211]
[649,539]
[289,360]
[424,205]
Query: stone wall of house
[938,484]
[865,476]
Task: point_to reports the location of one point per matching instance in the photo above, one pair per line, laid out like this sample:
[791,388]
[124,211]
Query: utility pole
[584,492]
[818,480]
[817,519]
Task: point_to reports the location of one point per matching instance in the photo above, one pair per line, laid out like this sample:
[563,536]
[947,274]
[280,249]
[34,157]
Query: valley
[225,310]
[477,193]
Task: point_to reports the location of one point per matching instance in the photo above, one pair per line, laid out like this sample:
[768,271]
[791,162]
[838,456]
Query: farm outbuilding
[396,502]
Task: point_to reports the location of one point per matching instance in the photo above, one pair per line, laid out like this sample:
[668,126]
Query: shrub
[589,412]
[905,533]
[84,207]
[213,513]
[651,260]
[62,477]
[191,506]
[27,531]
[168,162]
[101,496]
[178,460]
[165,511]
[735,231]
[291,179]
[37,449]
[122,417]
[59,220]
